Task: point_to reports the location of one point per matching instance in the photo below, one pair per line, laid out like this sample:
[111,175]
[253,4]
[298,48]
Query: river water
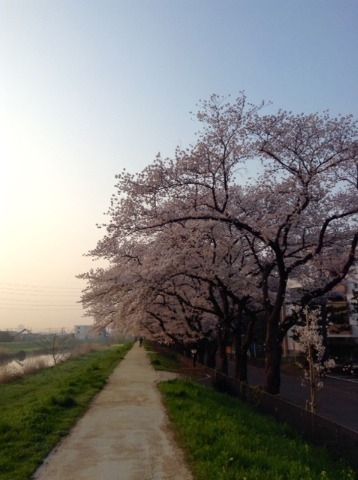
[21,363]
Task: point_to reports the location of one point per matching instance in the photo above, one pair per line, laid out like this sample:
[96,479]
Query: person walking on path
[125,434]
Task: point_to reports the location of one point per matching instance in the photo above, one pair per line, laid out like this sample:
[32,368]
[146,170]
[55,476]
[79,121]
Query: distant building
[342,321]
[89,332]
[83,332]
[23,335]
[352,299]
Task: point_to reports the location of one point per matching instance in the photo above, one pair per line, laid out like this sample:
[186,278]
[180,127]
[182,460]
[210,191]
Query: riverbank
[15,365]
[38,410]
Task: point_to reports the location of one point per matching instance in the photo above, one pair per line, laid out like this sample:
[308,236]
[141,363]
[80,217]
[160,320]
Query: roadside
[125,434]
[337,400]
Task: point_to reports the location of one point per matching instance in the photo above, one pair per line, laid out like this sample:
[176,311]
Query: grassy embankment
[39,409]
[7,348]
[226,439]
[11,348]
[161,362]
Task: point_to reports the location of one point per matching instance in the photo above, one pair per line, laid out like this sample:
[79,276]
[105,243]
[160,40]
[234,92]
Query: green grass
[225,439]
[15,347]
[161,362]
[40,409]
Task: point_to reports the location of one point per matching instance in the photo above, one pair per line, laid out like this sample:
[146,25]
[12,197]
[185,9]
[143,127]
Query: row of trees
[198,250]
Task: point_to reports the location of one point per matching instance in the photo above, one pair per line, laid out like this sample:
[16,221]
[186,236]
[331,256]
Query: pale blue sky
[88,87]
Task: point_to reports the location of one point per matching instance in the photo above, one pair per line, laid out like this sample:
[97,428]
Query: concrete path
[125,434]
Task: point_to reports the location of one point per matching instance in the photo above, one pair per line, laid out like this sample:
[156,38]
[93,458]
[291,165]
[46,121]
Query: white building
[83,332]
[352,286]
[342,331]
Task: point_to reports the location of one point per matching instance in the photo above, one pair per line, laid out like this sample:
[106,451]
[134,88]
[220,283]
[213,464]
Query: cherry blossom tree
[189,284]
[146,290]
[299,214]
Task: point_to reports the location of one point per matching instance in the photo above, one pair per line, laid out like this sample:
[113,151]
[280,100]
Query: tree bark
[273,342]
[222,355]
[210,347]
[242,373]
[237,348]
[273,347]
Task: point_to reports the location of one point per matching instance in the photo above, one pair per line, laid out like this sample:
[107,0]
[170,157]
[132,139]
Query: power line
[45,285]
[38,307]
[27,294]
[44,289]
[24,296]
[40,310]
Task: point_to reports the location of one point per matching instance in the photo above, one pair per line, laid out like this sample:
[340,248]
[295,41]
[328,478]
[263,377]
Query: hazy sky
[88,87]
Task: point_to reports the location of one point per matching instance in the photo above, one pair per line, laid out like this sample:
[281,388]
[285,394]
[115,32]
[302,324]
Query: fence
[341,442]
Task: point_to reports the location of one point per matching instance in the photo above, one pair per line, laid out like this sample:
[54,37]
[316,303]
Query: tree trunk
[242,372]
[240,360]
[222,355]
[312,379]
[273,343]
[273,347]
[273,370]
[201,352]
[237,347]
[210,353]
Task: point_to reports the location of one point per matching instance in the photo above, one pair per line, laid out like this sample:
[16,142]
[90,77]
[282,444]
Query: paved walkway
[125,434]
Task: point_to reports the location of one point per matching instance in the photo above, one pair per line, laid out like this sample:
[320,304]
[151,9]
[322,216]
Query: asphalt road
[336,401]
